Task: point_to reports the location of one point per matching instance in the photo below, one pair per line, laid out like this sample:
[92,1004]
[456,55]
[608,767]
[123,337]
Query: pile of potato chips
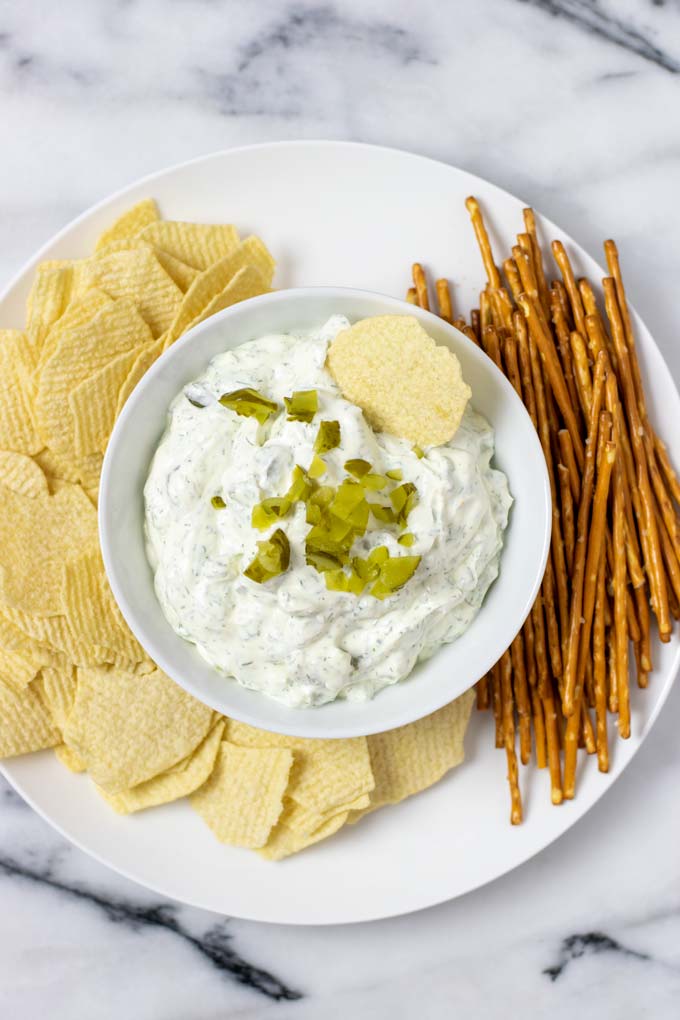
[72,676]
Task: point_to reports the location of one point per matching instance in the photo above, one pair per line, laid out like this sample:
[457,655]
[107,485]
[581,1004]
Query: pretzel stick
[635,570]
[558,288]
[670,559]
[543,291]
[459,323]
[525,268]
[539,729]
[420,283]
[587,734]
[491,345]
[669,474]
[581,371]
[512,276]
[564,265]
[606,458]
[582,521]
[444,300]
[470,334]
[539,333]
[600,672]
[657,577]
[522,699]
[663,501]
[553,742]
[612,256]
[569,461]
[509,737]
[620,599]
[512,364]
[645,664]
[412,296]
[564,345]
[502,307]
[492,274]
[482,692]
[475,323]
[497,702]
[567,504]
[485,313]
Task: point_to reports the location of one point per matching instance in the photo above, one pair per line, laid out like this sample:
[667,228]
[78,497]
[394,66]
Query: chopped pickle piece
[379,555]
[394,573]
[317,468]
[419,452]
[383,513]
[312,513]
[272,509]
[374,482]
[302,405]
[325,559]
[301,485]
[272,559]
[250,404]
[406,539]
[323,496]
[404,499]
[218,502]
[396,474]
[348,497]
[358,467]
[336,580]
[328,436]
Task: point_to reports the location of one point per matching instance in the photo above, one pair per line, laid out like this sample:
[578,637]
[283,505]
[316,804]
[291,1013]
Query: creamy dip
[291,638]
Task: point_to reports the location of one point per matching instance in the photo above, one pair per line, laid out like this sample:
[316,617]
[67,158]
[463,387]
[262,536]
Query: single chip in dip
[401,379]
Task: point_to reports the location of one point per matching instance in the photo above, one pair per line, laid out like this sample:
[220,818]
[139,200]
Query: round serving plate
[351,215]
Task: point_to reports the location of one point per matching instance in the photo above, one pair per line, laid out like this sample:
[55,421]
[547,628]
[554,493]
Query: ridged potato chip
[16,672]
[143,362]
[242,800]
[21,474]
[25,723]
[130,223]
[179,781]
[129,728]
[197,244]
[135,276]
[284,840]
[57,689]
[18,431]
[80,312]
[48,299]
[69,758]
[93,402]
[400,378]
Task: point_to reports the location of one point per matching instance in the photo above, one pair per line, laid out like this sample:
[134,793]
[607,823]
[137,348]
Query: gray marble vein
[572,104]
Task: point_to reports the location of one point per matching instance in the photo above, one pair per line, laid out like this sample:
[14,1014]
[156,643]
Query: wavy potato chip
[136,276]
[69,758]
[93,402]
[57,689]
[16,672]
[285,840]
[79,312]
[401,379]
[18,431]
[91,610]
[243,798]
[129,728]
[129,224]
[143,362]
[179,781]
[197,244]
[25,723]
[247,283]
[48,299]
[21,474]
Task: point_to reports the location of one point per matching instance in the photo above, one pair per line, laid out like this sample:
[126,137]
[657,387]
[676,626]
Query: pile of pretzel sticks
[615,544]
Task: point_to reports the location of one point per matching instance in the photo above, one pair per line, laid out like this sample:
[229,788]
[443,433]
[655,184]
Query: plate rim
[661,366]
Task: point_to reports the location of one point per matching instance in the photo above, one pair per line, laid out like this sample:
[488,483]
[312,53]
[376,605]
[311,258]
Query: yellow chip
[25,724]
[57,688]
[16,672]
[247,283]
[37,536]
[80,312]
[197,244]
[17,423]
[401,379]
[54,633]
[129,728]
[21,474]
[69,758]
[327,773]
[305,822]
[91,610]
[284,840]
[80,352]
[129,223]
[136,276]
[211,282]
[143,362]
[243,798]
[411,758]
[179,271]
[48,299]
[93,403]
[179,781]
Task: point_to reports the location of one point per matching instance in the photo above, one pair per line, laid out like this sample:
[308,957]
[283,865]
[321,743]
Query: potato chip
[243,798]
[57,688]
[25,724]
[21,474]
[130,223]
[411,758]
[80,352]
[48,299]
[306,822]
[179,781]
[182,274]
[80,312]
[401,379]
[54,633]
[136,276]
[93,403]
[69,758]
[91,610]
[285,841]
[207,285]
[129,728]
[247,283]
[197,244]
[16,672]
[143,362]
[37,536]
[18,431]
[14,639]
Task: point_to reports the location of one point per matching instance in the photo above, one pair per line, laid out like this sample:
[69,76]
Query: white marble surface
[572,104]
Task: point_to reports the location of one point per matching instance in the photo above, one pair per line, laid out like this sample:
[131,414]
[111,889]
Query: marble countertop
[569,103]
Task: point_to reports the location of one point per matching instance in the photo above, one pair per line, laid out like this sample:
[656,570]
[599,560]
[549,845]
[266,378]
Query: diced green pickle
[419,452]
[358,467]
[301,485]
[396,474]
[394,573]
[328,436]
[250,404]
[383,513]
[404,499]
[272,509]
[273,558]
[317,468]
[218,502]
[407,539]
[374,482]
[302,405]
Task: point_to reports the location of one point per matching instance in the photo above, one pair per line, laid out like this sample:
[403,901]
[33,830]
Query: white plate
[342,214]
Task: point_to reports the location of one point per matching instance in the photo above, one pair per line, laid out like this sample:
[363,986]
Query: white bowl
[455,667]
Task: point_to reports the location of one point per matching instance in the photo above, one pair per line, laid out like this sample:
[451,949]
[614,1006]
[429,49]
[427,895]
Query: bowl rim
[163,658]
